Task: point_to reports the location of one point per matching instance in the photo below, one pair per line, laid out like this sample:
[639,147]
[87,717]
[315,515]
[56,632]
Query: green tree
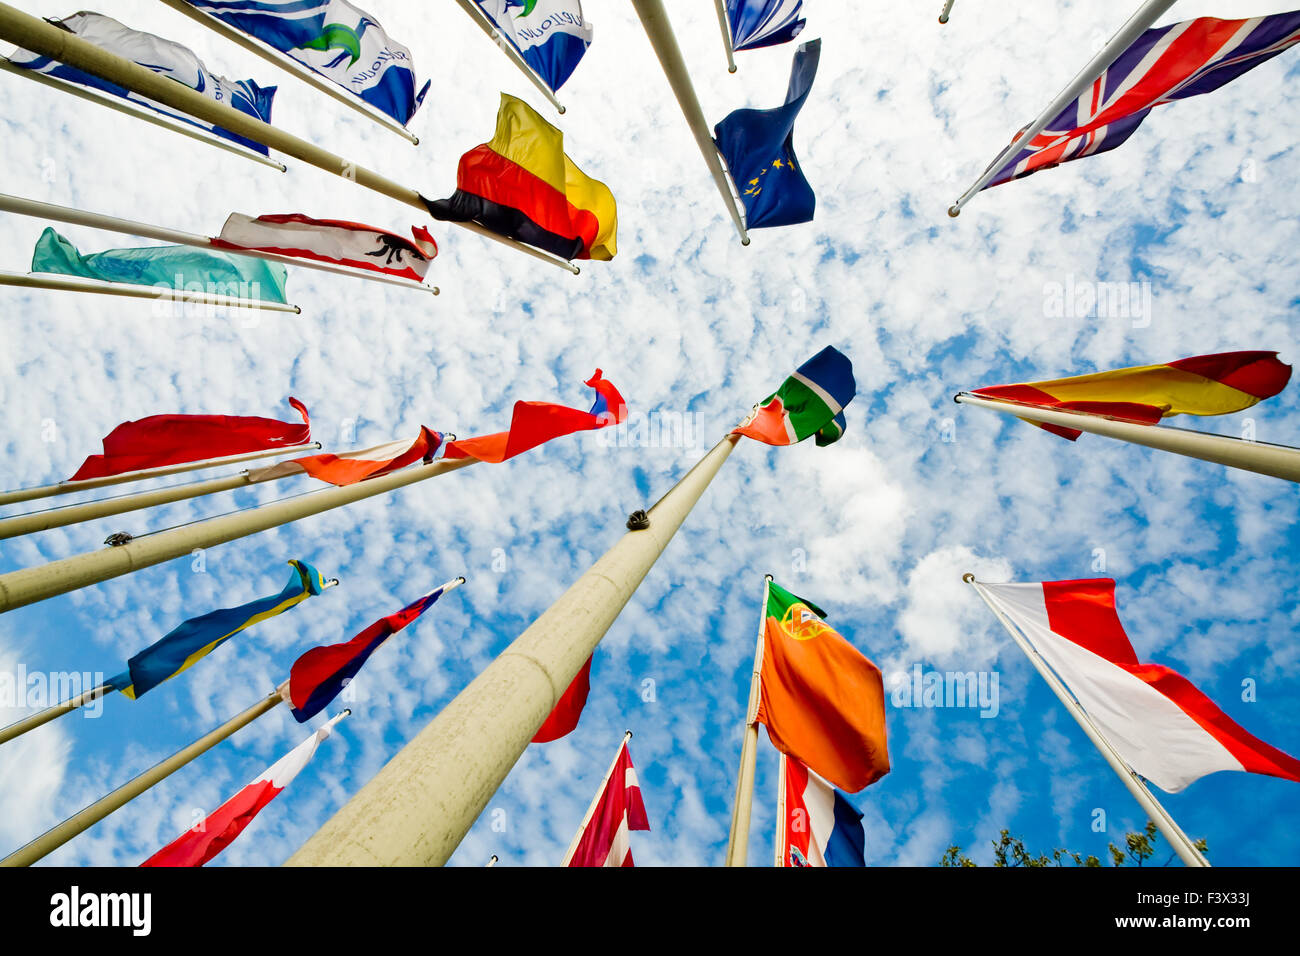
[1011,851]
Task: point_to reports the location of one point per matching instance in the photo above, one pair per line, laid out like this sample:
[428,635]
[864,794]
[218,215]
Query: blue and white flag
[162,56]
[551,35]
[760,23]
[334,39]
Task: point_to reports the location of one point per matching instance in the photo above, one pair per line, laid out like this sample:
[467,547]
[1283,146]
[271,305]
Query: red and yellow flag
[1202,385]
[823,702]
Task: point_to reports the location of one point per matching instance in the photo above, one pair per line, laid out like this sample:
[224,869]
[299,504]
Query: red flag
[353,466]
[618,810]
[175,439]
[534,423]
[563,720]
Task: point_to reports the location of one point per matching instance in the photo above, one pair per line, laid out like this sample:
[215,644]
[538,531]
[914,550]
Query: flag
[809,403]
[198,637]
[218,829]
[1202,385]
[182,268]
[521,185]
[352,466]
[758,146]
[1163,64]
[819,827]
[533,423]
[617,811]
[563,718]
[334,39]
[822,701]
[550,35]
[332,240]
[162,56]
[760,23]
[318,676]
[1160,725]
[161,440]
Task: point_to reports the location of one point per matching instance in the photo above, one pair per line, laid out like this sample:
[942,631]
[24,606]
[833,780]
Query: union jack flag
[1164,64]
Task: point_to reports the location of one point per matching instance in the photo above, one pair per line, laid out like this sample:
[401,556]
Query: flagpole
[78,217]
[128,108]
[660,33]
[421,804]
[78,823]
[780,810]
[143,474]
[947,9]
[1137,24]
[290,65]
[492,861]
[34,34]
[595,801]
[738,839]
[1277,461]
[485,24]
[725,26]
[61,283]
[29,585]
[1179,840]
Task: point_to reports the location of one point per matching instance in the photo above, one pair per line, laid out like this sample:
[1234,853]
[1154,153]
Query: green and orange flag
[1202,385]
[822,701]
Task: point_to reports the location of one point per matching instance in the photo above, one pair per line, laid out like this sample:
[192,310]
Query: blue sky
[876,529]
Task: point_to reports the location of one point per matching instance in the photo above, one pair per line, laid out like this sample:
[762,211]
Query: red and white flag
[603,838]
[332,240]
[219,828]
[1156,720]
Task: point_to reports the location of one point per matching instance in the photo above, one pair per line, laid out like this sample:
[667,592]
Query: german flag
[1202,385]
[522,186]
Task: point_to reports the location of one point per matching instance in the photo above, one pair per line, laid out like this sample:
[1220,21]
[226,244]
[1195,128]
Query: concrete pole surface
[419,807]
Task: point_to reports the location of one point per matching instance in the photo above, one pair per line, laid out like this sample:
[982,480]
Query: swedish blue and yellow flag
[758,146]
[200,636]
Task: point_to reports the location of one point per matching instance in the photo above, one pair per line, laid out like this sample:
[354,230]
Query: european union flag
[200,636]
[758,146]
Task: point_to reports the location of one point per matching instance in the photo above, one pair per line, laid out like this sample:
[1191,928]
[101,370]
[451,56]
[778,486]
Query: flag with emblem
[758,23]
[816,825]
[551,36]
[821,700]
[758,146]
[810,403]
[332,240]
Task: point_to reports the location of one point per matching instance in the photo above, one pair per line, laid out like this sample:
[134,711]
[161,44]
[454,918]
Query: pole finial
[954,211]
[768,577]
[968,578]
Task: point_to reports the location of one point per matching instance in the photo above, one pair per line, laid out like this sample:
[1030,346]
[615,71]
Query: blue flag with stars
[758,146]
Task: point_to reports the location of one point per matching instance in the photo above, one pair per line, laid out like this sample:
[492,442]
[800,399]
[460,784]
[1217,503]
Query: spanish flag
[1202,385]
[822,701]
[522,186]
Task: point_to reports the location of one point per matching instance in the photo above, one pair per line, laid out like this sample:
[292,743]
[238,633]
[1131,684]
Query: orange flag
[823,702]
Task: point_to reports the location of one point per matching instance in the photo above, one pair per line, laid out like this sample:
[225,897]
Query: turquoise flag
[176,267]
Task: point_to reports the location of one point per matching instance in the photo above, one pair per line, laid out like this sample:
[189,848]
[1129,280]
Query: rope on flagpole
[290,65]
[1137,24]
[485,24]
[160,293]
[725,25]
[128,108]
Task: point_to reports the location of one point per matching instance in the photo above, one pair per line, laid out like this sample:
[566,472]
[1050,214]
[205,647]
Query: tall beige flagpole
[738,839]
[19,588]
[34,34]
[292,66]
[1277,461]
[59,283]
[1181,843]
[947,10]
[781,811]
[725,25]
[80,822]
[422,803]
[595,801]
[655,21]
[485,24]
[143,474]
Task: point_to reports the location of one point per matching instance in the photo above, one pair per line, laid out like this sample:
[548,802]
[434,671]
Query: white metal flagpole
[660,32]
[738,838]
[1277,461]
[290,65]
[1137,24]
[947,9]
[595,801]
[485,24]
[781,810]
[62,283]
[725,25]
[79,217]
[1181,843]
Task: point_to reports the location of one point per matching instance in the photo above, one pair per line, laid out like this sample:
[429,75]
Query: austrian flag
[602,839]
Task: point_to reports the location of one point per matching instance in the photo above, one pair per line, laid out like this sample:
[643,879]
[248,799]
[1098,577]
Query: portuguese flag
[822,701]
[1202,385]
[522,186]
[809,403]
